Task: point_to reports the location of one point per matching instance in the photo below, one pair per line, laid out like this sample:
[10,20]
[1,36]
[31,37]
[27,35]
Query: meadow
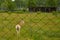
[41,26]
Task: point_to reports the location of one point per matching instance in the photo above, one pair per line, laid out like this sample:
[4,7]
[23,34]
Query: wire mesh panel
[43,26]
[41,20]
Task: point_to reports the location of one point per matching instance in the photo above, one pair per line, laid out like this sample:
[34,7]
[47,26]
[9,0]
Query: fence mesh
[43,26]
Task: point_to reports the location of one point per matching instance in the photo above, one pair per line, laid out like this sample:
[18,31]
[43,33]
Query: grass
[43,26]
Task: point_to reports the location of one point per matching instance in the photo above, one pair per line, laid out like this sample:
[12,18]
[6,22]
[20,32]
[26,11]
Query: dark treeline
[23,4]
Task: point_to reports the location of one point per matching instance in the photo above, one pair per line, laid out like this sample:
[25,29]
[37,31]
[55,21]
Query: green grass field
[43,26]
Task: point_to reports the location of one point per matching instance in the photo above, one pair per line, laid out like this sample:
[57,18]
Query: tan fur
[19,25]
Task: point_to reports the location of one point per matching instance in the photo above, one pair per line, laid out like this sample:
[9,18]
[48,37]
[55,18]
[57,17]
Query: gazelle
[19,25]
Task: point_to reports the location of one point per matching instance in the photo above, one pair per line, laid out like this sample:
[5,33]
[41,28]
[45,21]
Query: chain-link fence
[43,26]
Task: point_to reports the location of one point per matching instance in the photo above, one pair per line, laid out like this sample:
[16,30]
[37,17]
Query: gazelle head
[21,22]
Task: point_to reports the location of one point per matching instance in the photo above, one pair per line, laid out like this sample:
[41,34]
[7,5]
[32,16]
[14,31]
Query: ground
[42,26]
